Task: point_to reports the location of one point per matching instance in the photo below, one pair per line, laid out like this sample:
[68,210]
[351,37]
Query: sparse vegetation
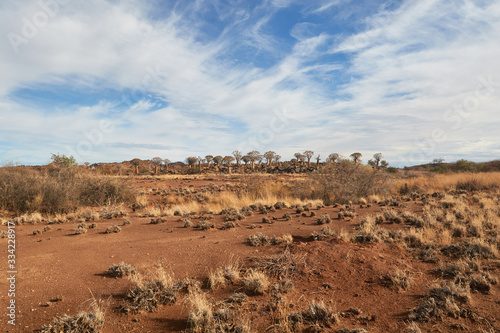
[90,321]
[114,229]
[122,269]
[56,190]
[150,292]
[442,300]
[256,282]
[399,280]
[449,221]
[258,239]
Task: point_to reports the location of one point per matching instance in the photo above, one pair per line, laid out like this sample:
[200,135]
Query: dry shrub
[122,269]
[258,239]
[222,275]
[442,300]
[85,322]
[237,298]
[400,280]
[52,190]
[284,239]
[467,273]
[80,230]
[318,316]
[341,182]
[205,317]
[113,230]
[324,233]
[283,265]
[474,249]
[324,219]
[369,232]
[150,292]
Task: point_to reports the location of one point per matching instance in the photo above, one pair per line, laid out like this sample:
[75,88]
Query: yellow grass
[268,194]
[445,182]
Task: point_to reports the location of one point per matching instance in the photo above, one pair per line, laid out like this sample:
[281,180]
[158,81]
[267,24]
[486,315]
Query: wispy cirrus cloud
[191,78]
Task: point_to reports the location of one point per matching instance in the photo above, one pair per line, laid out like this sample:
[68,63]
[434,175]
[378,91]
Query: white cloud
[403,72]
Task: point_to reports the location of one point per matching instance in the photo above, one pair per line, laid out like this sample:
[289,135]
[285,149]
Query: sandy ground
[343,274]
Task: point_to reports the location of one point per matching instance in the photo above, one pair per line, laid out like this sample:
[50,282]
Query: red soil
[343,274]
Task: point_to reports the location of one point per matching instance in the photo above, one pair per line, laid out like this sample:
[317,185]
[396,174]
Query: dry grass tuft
[205,318]
[400,280]
[318,316]
[442,300]
[256,282]
[412,328]
[222,275]
[85,322]
[474,249]
[150,292]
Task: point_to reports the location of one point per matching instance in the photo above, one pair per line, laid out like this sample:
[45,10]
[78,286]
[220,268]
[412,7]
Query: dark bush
[469,185]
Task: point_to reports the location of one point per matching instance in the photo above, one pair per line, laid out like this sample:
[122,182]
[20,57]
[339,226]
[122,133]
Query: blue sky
[113,80]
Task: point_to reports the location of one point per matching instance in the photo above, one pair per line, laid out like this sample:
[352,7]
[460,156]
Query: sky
[109,81]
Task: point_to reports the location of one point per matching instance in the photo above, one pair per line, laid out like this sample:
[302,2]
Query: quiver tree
[200,160]
[246,159]
[191,161]
[218,160]
[277,159]
[166,161]
[157,162]
[228,160]
[356,157]
[259,159]
[209,159]
[318,158]
[136,162]
[238,155]
[254,155]
[308,154]
[269,156]
[332,158]
[377,158]
[300,157]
